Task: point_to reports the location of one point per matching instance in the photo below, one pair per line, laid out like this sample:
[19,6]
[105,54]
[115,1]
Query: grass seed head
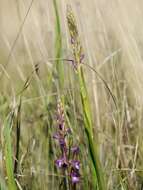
[77,49]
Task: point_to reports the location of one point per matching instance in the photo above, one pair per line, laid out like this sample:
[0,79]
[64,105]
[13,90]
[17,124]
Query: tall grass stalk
[18,134]
[77,63]
[58,47]
[8,154]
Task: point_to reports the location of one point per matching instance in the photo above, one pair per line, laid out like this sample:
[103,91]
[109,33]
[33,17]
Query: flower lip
[61,163]
[75,177]
[75,164]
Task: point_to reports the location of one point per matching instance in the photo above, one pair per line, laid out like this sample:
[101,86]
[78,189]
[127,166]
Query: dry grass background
[106,27]
[112,35]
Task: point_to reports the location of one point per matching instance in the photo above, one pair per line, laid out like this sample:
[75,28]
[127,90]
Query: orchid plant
[68,161]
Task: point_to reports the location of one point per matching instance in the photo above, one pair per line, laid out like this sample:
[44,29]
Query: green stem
[8,155]
[89,130]
[58,47]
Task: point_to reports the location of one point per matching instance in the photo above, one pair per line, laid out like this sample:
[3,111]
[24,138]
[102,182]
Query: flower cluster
[67,161]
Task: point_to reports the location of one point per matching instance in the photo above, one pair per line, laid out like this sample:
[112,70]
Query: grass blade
[8,154]
[18,131]
[58,47]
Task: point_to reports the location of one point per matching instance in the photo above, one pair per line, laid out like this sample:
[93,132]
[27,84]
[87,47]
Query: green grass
[58,47]
[9,154]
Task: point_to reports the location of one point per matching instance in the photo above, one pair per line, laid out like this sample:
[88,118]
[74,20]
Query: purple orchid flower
[61,163]
[75,164]
[75,177]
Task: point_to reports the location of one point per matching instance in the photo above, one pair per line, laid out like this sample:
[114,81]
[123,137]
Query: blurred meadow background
[35,73]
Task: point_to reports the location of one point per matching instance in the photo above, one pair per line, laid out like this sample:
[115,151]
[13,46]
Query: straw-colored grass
[104,108]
